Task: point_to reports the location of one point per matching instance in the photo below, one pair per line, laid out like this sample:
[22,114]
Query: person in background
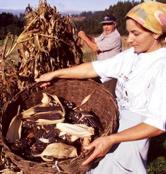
[141,92]
[107,45]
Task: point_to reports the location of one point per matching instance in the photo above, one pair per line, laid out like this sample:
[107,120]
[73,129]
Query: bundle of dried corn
[48,42]
[8,74]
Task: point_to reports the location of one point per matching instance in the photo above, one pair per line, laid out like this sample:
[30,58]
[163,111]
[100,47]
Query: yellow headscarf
[151,15]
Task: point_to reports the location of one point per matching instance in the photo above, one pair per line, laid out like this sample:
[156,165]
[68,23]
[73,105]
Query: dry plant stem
[10,51]
[11,48]
[12,42]
[85,100]
[3,59]
[17,42]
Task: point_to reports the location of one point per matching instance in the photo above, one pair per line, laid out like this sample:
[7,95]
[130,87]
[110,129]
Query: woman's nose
[129,39]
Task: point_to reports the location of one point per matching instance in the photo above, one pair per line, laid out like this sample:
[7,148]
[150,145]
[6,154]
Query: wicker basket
[101,103]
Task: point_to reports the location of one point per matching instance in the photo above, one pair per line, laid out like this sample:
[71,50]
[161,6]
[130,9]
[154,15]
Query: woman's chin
[136,50]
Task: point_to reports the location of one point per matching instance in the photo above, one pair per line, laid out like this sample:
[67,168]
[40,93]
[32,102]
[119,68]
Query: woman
[140,91]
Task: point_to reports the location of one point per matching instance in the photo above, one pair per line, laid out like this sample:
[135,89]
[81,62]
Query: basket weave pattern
[101,103]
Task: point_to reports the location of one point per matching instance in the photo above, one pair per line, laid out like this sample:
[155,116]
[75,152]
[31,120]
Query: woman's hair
[162,39]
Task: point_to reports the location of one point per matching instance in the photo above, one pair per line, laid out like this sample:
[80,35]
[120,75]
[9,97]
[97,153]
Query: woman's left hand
[101,146]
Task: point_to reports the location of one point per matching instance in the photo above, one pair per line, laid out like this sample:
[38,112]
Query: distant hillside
[18,11]
[14,12]
[71,12]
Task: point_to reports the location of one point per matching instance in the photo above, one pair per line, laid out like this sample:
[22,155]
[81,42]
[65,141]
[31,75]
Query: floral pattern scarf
[151,15]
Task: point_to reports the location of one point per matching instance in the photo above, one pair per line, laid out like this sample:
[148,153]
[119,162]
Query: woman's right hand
[45,77]
[100,148]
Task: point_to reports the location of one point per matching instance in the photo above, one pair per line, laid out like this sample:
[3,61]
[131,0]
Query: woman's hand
[101,146]
[45,77]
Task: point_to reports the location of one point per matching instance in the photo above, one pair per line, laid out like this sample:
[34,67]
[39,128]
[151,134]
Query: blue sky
[62,5]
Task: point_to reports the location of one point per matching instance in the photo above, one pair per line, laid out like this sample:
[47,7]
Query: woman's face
[139,38]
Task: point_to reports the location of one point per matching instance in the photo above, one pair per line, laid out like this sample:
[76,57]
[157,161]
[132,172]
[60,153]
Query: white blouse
[141,86]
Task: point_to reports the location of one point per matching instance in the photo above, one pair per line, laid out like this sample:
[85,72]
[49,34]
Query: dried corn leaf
[7,171]
[15,128]
[44,140]
[57,102]
[50,106]
[45,99]
[39,108]
[85,100]
[59,151]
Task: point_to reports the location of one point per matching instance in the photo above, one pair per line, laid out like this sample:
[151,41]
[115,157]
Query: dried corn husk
[15,127]
[51,105]
[57,150]
[46,99]
[75,130]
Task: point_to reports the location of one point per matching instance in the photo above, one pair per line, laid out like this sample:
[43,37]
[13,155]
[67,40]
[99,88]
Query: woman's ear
[156,36]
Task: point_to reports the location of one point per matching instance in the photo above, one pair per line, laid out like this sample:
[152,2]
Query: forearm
[82,71]
[103,144]
[138,132]
[90,43]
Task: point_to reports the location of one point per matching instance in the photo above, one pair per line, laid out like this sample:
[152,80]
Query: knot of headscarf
[151,15]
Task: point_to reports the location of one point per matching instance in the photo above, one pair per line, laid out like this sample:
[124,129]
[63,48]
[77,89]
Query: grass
[157,155]
[1,42]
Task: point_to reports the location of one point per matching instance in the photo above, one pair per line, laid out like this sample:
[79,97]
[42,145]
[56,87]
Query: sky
[62,5]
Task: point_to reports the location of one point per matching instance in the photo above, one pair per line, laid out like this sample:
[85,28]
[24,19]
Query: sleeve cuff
[156,122]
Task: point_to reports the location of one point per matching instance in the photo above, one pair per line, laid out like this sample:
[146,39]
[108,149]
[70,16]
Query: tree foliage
[91,23]
[10,23]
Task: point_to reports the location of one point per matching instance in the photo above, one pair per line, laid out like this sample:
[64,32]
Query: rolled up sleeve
[157,103]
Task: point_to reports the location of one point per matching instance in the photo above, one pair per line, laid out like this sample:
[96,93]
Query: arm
[89,41]
[103,144]
[82,71]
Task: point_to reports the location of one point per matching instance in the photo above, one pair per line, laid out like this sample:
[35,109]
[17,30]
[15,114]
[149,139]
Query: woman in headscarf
[141,92]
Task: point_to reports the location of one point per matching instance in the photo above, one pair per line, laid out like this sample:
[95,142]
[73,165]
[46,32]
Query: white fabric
[128,157]
[141,86]
[109,45]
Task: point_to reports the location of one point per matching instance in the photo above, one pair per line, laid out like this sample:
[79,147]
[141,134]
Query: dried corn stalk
[47,43]
[8,73]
